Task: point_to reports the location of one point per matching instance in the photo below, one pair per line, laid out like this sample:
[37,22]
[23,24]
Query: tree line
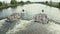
[14,2]
[52,4]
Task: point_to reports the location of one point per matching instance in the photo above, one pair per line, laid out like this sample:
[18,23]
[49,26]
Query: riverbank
[8,5]
[2,7]
[53,4]
[14,5]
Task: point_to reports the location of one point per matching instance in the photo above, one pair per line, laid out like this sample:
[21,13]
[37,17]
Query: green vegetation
[13,3]
[21,3]
[28,1]
[3,5]
[46,2]
[0,3]
[52,4]
[59,4]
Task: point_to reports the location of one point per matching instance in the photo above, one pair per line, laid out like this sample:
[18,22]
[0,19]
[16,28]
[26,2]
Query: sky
[32,0]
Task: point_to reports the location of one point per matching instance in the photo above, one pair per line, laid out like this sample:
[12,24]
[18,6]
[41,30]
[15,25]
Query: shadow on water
[4,13]
[14,7]
[6,26]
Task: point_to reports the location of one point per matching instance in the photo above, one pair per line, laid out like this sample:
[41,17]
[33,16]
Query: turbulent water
[27,25]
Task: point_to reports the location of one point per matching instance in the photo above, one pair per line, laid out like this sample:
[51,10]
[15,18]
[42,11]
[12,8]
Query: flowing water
[27,25]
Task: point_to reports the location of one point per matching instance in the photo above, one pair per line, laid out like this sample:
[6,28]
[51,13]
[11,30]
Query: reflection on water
[30,27]
[7,12]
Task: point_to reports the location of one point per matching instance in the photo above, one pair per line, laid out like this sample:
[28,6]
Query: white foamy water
[1,22]
[30,27]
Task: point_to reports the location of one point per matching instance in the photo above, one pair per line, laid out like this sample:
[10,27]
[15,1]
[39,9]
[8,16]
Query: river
[32,9]
[30,27]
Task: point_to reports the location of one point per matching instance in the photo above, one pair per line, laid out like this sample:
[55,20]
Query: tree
[0,3]
[46,2]
[50,2]
[59,4]
[4,4]
[21,2]
[13,2]
[28,1]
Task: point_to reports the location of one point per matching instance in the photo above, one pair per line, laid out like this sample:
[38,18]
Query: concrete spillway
[29,26]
